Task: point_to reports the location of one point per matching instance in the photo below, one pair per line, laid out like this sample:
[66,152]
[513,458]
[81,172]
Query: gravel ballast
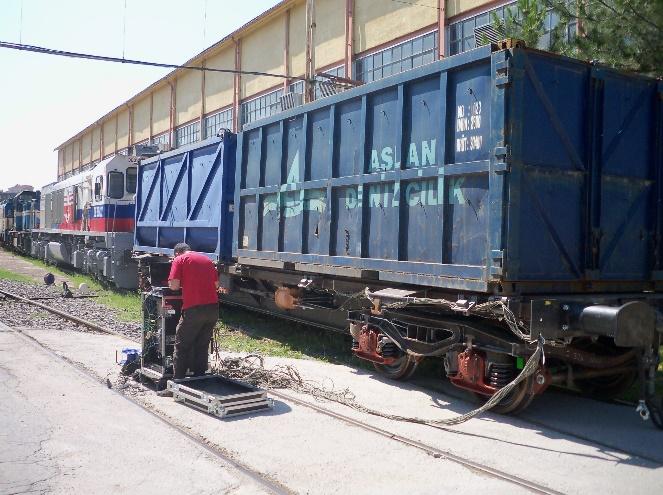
[17,314]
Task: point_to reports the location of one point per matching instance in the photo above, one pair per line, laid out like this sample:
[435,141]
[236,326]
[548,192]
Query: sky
[44,100]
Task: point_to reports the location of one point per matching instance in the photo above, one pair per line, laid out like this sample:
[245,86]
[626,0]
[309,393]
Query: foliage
[626,34]
[244,331]
[524,21]
[16,277]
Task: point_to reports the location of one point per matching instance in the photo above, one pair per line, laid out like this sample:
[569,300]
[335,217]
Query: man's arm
[175,275]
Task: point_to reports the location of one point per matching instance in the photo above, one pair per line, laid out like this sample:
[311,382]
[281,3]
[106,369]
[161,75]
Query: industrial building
[359,40]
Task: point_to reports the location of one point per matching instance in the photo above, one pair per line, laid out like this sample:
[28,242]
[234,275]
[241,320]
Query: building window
[262,107]
[297,87]
[187,134]
[162,139]
[220,120]
[404,56]
[327,87]
[460,35]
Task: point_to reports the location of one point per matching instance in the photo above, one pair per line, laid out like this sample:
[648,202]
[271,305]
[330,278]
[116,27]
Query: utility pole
[309,85]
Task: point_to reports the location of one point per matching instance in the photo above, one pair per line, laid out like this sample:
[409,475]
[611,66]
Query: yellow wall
[60,162]
[76,154]
[109,136]
[141,120]
[455,7]
[86,140]
[262,50]
[297,48]
[68,158]
[188,96]
[376,23]
[218,85]
[123,129]
[96,137]
[330,31]
[161,109]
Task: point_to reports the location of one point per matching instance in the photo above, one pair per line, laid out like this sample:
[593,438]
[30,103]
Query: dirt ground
[9,261]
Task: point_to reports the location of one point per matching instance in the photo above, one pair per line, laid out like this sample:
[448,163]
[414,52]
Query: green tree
[525,21]
[626,34]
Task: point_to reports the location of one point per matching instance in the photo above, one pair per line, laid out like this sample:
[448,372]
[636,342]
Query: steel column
[286,51]
[237,122]
[441,23]
[173,103]
[349,38]
[202,101]
[309,86]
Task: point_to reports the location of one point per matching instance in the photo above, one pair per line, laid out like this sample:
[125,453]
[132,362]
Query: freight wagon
[471,210]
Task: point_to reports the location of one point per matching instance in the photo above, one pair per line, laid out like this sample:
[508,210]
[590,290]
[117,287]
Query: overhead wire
[105,58]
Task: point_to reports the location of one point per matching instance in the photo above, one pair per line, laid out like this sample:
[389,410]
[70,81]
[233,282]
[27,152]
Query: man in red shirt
[196,275]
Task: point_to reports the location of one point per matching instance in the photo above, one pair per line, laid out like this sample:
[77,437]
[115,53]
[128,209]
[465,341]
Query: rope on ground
[251,369]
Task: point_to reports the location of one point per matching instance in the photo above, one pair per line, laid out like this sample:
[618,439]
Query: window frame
[108,178]
[99,181]
[134,173]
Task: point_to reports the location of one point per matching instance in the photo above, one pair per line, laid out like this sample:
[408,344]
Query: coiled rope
[251,369]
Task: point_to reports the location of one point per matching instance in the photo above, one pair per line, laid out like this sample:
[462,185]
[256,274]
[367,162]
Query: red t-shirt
[197,275]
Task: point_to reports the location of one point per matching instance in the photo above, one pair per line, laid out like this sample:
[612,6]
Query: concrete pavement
[62,432]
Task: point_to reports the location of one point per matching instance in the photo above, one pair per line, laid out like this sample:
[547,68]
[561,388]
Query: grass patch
[16,277]
[127,304]
[242,331]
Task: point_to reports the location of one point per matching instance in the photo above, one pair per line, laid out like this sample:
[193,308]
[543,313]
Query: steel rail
[271,486]
[431,450]
[63,314]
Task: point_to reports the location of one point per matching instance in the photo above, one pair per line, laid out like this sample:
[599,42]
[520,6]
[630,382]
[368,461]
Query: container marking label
[468,126]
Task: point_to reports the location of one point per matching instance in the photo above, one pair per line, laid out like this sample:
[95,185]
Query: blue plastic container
[129,355]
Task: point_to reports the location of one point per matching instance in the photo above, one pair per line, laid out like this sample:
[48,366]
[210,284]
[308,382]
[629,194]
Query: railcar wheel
[517,400]
[400,370]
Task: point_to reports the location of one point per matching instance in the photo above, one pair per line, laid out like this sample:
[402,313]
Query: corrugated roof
[282,5]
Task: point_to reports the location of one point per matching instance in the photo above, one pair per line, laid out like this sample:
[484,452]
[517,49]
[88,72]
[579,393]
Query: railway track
[275,488]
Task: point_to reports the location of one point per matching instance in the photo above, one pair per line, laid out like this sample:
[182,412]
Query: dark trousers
[192,338]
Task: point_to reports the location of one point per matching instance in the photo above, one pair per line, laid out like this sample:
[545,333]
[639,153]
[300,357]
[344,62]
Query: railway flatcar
[480,210]
[87,222]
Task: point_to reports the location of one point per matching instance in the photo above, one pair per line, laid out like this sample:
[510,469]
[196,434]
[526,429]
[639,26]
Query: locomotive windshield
[115,185]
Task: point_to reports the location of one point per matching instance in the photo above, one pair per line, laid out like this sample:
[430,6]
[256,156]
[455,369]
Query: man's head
[181,248]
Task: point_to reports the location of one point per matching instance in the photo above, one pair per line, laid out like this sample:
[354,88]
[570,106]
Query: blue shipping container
[491,171]
[186,195]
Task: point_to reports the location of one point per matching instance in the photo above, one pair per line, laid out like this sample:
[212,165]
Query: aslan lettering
[418,155]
